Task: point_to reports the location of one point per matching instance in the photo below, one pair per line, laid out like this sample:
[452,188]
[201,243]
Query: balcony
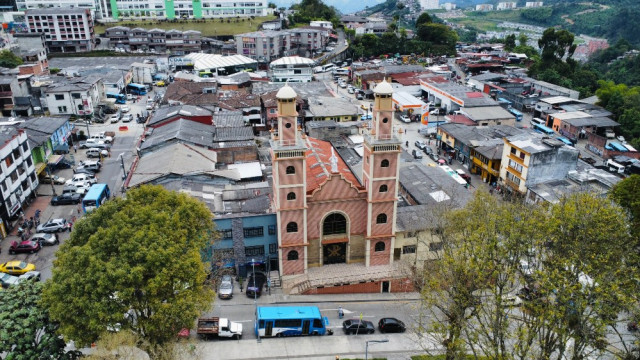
[6,94]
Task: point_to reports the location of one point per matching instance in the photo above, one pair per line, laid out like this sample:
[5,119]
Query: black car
[255,284]
[356,326]
[66,199]
[391,325]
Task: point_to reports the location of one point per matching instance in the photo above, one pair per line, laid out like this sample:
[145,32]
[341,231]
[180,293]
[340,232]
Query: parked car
[66,199]
[405,118]
[16,267]
[225,290]
[359,96]
[124,108]
[434,157]
[357,326]
[127,118]
[420,144]
[97,153]
[102,137]
[130,96]
[91,143]
[391,325]
[366,117]
[150,106]
[47,179]
[78,187]
[427,150]
[83,177]
[416,154]
[82,170]
[255,284]
[114,118]
[8,280]
[51,226]
[29,275]
[45,239]
[23,247]
[350,90]
[91,165]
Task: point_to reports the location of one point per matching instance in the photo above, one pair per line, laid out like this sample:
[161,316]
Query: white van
[615,167]
[537,121]
[96,153]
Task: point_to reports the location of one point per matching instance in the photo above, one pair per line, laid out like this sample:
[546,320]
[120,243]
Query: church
[326,215]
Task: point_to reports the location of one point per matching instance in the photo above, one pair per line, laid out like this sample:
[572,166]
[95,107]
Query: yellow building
[485,161]
[331,108]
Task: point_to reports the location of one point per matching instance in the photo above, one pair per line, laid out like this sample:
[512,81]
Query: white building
[77,96]
[18,180]
[322,24]
[484,7]
[448,6]
[533,4]
[65,29]
[429,4]
[506,5]
[292,69]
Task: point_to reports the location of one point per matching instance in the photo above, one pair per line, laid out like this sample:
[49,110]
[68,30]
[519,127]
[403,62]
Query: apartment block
[270,45]
[176,41]
[65,29]
[186,9]
[506,5]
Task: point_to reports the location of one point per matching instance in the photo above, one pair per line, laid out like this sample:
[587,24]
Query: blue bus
[281,321]
[543,129]
[137,89]
[120,98]
[516,113]
[96,196]
[565,140]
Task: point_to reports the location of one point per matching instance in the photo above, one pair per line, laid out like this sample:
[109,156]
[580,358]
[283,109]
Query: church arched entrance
[335,239]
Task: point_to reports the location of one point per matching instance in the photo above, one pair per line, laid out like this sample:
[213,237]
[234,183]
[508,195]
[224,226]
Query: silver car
[225,290]
[45,239]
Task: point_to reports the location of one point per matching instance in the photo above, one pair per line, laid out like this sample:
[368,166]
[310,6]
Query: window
[383,188]
[513,178]
[522,155]
[384,163]
[62,109]
[8,160]
[253,232]
[379,246]
[409,249]
[291,196]
[292,255]
[287,125]
[513,150]
[25,147]
[292,227]
[385,120]
[515,165]
[334,224]
[59,97]
[435,246]
[272,229]
[291,170]
[74,96]
[273,248]
[272,111]
[254,250]
[287,323]
[227,234]
[381,219]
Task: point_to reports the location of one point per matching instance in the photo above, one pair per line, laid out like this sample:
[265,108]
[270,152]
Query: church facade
[325,214]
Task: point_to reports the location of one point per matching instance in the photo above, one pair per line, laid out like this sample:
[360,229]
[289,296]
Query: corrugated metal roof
[292,60]
[203,61]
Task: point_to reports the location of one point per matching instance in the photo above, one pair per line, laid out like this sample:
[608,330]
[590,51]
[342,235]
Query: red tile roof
[319,165]
[461,119]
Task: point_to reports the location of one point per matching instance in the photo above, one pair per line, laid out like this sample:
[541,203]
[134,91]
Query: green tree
[9,59]
[522,39]
[134,263]
[26,331]
[510,42]
[627,194]
[555,45]
[424,18]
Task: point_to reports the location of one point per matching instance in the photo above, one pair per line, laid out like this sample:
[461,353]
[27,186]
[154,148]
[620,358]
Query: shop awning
[40,167]
[55,159]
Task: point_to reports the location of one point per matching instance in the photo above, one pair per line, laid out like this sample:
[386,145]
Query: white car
[405,119]
[114,118]
[82,184]
[124,108]
[130,96]
[45,239]
[102,137]
[150,106]
[91,143]
[127,118]
[53,225]
[82,177]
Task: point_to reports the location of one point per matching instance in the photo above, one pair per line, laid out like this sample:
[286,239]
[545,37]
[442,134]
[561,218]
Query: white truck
[218,327]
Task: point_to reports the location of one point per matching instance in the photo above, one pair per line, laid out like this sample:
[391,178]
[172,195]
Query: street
[111,173]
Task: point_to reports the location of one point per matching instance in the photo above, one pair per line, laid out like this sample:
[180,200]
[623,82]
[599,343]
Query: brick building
[327,215]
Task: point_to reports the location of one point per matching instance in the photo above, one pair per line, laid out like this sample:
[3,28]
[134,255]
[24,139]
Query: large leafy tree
[556,44]
[9,59]
[26,331]
[133,264]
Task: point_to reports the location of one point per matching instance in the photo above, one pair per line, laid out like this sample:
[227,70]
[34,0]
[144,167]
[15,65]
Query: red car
[26,246]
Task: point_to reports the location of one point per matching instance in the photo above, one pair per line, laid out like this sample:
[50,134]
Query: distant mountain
[344,6]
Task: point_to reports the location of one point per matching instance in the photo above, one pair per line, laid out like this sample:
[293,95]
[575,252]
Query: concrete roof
[533,142]
[7,133]
[592,121]
[177,158]
[487,113]
[587,179]
[475,135]
[248,170]
[74,84]
[331,106]
[570,115]
[182,130]
[553,100]
[56,10]
[304,90]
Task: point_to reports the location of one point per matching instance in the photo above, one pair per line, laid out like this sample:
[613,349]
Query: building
[17,176]
[506,5]
[325,214]
[221,65]
[48,137]
[532,158]
[9,89]
[31,48]
[292,69]
[429,4]
[332,108]
[119,36]
[264,45]
[533,4]
[185,9]
[98,8]
[191,93]
[77,96]
[448,6]
[322,24]
[65,29]
[484,7]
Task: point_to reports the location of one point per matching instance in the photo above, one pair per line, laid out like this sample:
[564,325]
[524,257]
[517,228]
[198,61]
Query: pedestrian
[75,148]
[69,226]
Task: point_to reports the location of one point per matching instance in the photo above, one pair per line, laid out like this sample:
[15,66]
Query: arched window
[292,227]
[380,246]
[334,224]
[293,255]
[291,196]
[384,163]
[383,188]
[381,219]
[291,170]
[385,120]
[287,125]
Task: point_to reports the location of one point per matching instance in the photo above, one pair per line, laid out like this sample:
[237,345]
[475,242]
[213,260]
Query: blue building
[246,240]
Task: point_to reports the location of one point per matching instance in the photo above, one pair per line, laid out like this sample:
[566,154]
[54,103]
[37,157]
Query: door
[335,253]
[268,329]
[305,327]
[385,286]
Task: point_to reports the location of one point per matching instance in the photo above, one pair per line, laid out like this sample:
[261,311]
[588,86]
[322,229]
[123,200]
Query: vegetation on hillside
[308,10]
[9,59]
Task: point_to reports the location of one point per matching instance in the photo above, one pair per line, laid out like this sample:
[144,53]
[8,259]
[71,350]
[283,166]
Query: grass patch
[208,27]
[443,357]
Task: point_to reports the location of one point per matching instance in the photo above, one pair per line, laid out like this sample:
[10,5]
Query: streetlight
[366,348]
[255,291]
[124,171]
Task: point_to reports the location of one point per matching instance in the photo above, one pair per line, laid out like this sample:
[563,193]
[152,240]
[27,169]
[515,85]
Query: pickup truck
[220,327]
